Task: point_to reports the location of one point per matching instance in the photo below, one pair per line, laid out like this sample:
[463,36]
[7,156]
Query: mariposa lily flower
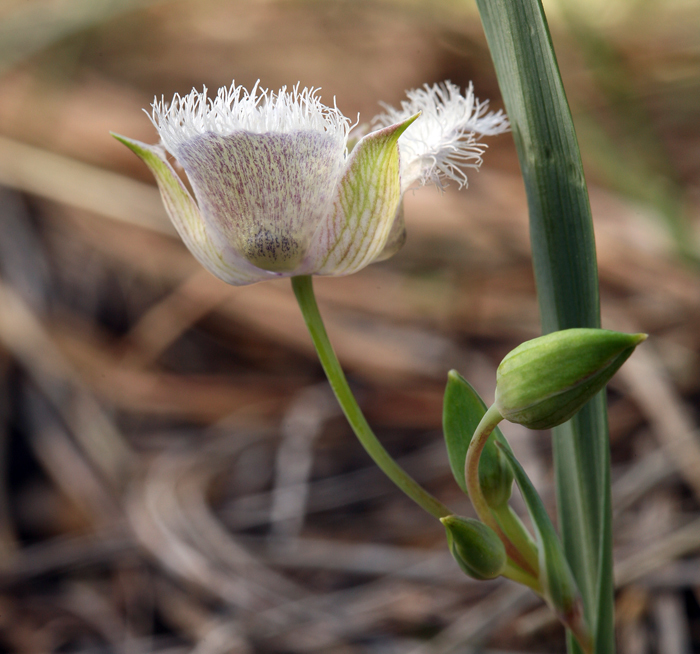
[277,192]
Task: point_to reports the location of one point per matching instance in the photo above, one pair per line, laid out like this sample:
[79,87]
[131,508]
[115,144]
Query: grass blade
[564,260]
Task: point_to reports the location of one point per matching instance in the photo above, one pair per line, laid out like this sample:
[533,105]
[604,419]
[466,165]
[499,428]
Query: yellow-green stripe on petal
[396,238]
[187,220]
[366,205]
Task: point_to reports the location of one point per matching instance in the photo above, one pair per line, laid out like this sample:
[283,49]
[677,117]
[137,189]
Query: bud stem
[517,534]
[303,289]
[471,472]
[519,576]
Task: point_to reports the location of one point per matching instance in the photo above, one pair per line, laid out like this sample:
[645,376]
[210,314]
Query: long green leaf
[564,260]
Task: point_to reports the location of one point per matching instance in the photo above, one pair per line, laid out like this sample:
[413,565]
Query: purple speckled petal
[369,193]
[265,193]
[206,246]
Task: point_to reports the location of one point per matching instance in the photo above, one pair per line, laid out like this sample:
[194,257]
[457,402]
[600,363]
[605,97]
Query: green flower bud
[544,382]
[475,546]
[495,476]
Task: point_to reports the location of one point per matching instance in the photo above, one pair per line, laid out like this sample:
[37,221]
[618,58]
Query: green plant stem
[471,468]
[304,292]
[471,473]
[514,529]
[515,573]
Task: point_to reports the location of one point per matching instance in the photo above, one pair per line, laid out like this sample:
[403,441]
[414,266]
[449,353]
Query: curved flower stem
[483,430]
[303,289]
[471,469]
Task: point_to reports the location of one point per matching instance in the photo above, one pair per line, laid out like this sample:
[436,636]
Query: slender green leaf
[560,590]
[557,579]
[567,283]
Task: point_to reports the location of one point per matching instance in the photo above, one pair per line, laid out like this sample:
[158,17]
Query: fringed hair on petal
[258,111]
[445,139]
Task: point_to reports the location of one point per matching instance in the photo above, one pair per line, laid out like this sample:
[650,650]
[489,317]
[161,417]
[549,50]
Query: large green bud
[475,546]
[544,382]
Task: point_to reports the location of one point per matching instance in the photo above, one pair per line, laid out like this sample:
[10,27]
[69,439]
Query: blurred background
[174,473]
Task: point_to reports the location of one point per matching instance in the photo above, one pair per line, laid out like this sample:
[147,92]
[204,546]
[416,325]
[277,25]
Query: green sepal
[203,243]
[475,546]
[462,411]
[547,380]
[367,205]
[557,582]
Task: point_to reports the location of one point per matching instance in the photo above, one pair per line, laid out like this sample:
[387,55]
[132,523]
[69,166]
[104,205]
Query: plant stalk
[304,292]
[471,473]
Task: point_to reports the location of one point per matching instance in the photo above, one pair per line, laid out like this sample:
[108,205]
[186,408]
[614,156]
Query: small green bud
[544,382]
[475,546]
[495,476]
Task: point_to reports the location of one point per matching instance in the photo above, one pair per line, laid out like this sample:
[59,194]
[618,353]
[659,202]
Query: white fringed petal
[446,138]
[266,193]
[263,166]
[259,111]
